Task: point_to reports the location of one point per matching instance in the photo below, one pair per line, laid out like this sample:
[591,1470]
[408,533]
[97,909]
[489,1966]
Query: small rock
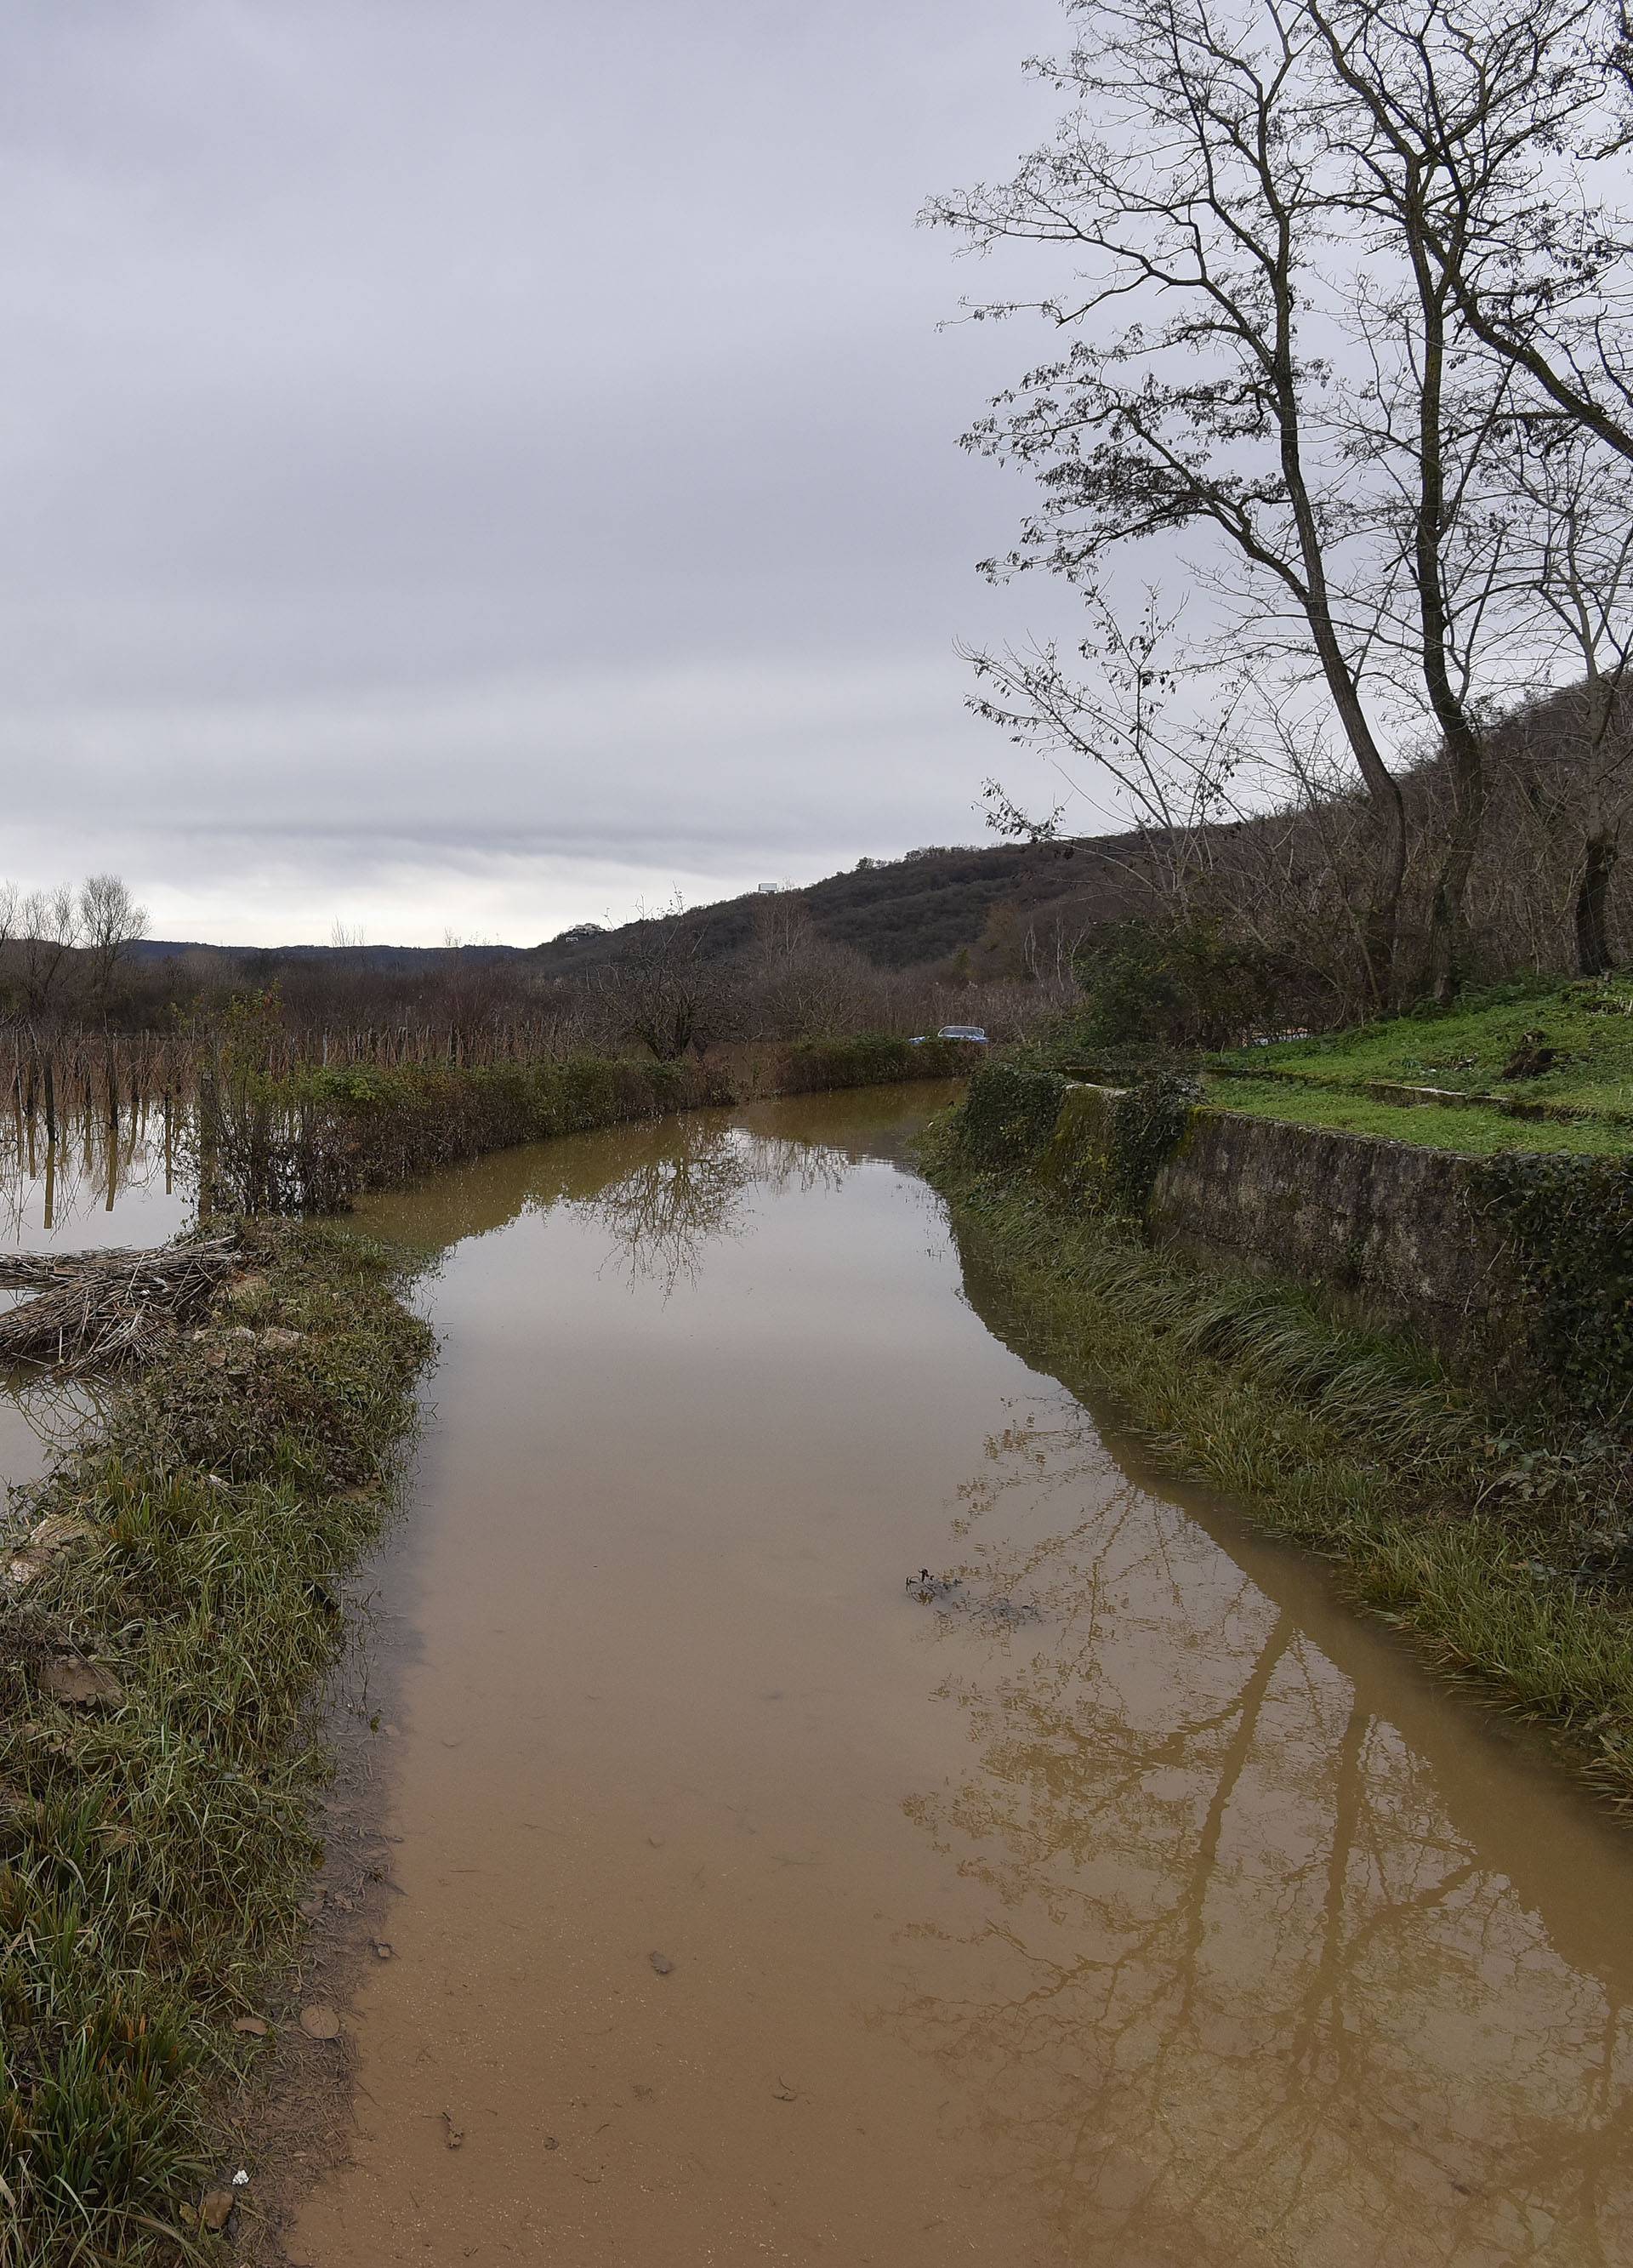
[216,2210]
[662,1964]
[251,2027]
[319,2023]
[71,1677]
[383,1951]
[54,1534]
[275,1335]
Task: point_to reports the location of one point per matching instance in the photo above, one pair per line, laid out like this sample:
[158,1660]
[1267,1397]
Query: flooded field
[95,1185]
[848,1808]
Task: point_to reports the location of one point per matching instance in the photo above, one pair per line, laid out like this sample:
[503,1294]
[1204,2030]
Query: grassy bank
[1472,1129]
[314,1140]
[1539,1048]
[1500,1544]
[157,1741]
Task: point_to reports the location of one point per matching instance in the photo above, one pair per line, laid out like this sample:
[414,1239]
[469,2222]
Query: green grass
[1468,1047]
[1475,1130]
[153,1850]
[1501,1545]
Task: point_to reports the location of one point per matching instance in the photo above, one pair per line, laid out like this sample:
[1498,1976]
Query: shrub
[1570,1223]
[1006,1119]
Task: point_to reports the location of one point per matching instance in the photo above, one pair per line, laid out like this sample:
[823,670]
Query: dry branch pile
[108,1307]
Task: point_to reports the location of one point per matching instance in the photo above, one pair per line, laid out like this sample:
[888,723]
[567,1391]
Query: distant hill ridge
[898,913]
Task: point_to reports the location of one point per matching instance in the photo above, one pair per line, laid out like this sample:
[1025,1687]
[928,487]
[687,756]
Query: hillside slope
[901,913]
[898,913]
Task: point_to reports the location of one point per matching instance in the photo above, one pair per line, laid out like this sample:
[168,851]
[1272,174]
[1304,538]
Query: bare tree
[1449,121]
[1190,175]
[109,923]
[1293,219]
[666,991]
[1512,120]
[1577,557]
[1173,776]
[48,931]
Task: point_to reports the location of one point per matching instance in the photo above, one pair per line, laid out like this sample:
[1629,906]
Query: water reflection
[662,1191]
[1188,1923]
[1258,1976]
[98,1181]
[682,1188]
[673,1198]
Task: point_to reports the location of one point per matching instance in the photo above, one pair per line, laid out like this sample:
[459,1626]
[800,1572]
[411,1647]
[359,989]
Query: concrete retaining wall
[1381,1230]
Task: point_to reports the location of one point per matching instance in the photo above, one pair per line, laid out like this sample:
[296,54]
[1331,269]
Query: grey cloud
[469,442]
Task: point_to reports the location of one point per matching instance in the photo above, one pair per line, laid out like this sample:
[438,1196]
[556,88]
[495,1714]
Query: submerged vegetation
[161,1645]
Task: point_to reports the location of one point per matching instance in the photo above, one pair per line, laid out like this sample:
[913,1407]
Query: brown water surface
[1128,1902]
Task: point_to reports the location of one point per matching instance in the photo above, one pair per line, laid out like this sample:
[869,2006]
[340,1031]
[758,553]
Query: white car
[972,1034]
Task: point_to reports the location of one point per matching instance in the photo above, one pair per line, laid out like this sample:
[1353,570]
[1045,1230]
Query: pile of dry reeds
[96,1307]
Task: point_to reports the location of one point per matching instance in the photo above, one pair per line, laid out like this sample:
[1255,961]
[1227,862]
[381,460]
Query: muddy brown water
[1120,1899]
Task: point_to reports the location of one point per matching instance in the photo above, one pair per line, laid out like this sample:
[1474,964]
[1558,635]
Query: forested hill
[905,912]
[898,913]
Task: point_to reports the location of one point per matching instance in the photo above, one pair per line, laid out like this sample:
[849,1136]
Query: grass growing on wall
[155,1836]
[1502,1546]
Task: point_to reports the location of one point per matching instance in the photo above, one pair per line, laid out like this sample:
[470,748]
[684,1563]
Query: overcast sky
[475,465]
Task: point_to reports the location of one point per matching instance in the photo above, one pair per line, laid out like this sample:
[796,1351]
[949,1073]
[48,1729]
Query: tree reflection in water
[677,1187]
[1256,1992]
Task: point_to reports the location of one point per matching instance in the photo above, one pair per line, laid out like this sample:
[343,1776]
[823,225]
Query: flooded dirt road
[1115,1898]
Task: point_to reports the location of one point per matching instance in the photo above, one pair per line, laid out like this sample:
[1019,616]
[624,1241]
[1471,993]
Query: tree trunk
[1381,932]
[1445,913]
[1598,859]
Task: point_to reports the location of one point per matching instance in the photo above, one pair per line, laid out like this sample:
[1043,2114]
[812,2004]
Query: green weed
[153,1850]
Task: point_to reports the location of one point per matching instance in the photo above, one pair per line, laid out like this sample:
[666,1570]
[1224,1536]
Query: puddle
[765,1890]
